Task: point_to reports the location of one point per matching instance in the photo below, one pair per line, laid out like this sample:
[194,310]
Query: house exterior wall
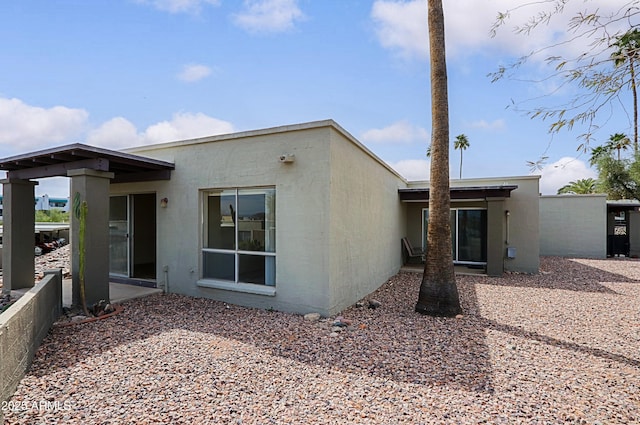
[326,258]
[520,230]
[366,222]
[523,225]
[573,226]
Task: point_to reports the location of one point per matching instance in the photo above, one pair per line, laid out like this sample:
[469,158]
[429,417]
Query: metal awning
[460,193]
[57,161]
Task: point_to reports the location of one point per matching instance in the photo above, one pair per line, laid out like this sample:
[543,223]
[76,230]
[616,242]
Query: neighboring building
[573,225]
[589,226]
[44,203]
[494,222]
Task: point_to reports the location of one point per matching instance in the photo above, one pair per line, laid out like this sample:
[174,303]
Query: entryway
[132,239]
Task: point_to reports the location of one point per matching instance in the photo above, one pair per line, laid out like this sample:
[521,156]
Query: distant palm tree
[579,187]
[618,141]
[429,151]
[627,54]
[462,143]
[598,153]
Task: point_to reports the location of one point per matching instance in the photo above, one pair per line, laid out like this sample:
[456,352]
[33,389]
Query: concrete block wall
[23,326]
[573,226]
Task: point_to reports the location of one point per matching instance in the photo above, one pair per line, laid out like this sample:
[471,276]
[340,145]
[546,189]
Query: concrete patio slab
[118,292]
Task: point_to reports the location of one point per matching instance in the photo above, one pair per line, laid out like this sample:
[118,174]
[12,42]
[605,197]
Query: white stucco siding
[302,215]
[367,222]
[573,226]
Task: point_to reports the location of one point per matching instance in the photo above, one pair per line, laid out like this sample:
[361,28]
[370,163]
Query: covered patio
[479,223]
[91,171]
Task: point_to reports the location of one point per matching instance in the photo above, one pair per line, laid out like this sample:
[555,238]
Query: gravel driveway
[559,347]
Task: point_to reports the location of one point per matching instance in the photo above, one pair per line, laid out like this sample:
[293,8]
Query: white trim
[248,288]
[236,252]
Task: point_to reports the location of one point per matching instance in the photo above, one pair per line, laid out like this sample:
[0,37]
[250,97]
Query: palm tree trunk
[461,163]
[438,292]
[632,71]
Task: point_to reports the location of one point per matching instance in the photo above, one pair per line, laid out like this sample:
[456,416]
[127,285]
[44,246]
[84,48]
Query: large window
[239,241]
[468,234]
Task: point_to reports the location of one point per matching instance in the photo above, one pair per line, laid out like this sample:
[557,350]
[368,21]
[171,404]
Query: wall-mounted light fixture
[164,202]
[287,158]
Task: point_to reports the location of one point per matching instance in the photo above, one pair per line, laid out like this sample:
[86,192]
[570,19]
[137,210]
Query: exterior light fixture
[164,202]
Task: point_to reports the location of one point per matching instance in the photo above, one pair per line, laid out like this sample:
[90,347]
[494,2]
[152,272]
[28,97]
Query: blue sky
[121,73]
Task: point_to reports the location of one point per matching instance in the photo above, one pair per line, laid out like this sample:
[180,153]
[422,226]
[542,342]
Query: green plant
[80,210]
[52,216]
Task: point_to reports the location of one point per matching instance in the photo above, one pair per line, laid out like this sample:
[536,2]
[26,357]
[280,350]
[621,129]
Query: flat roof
[59,160]
[623,204]
[464,192]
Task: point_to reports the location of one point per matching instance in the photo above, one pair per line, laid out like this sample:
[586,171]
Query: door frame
[132,275]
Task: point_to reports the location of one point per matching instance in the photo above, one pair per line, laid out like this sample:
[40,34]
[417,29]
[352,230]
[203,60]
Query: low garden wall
[23,326]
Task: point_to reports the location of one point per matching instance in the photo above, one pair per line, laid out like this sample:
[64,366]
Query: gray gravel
[559,347]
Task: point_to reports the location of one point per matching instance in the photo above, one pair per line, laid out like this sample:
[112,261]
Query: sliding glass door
[119,235]
[468,234]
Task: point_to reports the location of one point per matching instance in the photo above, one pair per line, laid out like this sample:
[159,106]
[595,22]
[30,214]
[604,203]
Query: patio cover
[468,192]
[58,161]
[91,171]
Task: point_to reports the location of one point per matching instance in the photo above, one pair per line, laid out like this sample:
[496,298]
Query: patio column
[495,236]
[92,187]
[18,239]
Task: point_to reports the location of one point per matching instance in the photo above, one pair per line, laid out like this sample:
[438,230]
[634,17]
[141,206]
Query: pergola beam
[52,170]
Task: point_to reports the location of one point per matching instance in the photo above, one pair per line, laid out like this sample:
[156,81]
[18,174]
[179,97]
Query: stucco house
[297,218]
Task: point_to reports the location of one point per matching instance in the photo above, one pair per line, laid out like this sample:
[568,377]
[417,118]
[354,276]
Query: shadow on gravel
[565,345]
[391,342]
[562,274]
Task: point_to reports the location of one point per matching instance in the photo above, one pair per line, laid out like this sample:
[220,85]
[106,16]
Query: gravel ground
[559,347]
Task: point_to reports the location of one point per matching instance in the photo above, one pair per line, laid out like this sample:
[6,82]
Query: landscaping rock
[312,317]
[374,304]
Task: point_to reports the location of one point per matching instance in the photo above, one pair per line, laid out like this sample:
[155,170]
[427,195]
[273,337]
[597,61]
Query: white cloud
[29,127]
[180,6]
[194,72]
[268,16]
[186,126]
[412,169]
[119,133]
[496,125]
[400,132]
[401,26]
[116,133]
[561,172]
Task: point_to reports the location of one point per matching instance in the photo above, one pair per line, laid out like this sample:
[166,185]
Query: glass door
[468,234]
[119,235]
[472,236]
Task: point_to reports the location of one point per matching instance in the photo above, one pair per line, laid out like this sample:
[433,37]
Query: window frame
[236,284]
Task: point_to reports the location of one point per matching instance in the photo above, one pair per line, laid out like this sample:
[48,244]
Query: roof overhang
[58,161]
[459,193]
[623,205]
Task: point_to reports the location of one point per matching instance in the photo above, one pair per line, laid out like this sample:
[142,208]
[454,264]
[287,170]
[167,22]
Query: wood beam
[145,176]
[54,170]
